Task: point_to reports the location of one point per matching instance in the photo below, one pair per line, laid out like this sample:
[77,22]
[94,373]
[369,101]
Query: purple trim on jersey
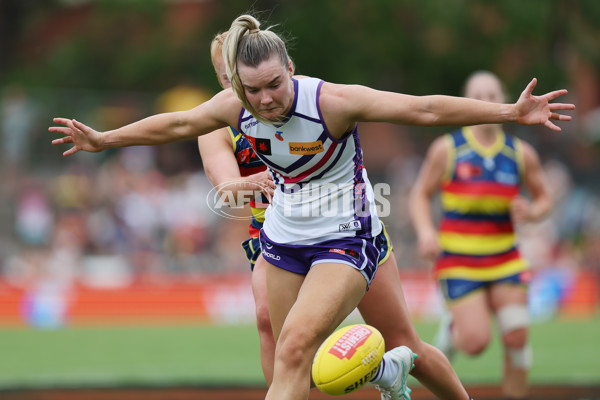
[307,118]
[323,120]
[359,184]
[331,164]
[293,109]
[240,120]
[321,113]
[320,175]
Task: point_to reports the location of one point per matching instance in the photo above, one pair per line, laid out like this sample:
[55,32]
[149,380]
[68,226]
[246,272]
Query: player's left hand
[520,210]
[537,110]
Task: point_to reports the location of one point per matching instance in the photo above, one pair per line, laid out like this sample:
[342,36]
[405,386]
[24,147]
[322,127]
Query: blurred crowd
[140,213]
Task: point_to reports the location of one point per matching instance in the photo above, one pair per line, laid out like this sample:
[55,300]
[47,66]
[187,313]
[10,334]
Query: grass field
[565,352]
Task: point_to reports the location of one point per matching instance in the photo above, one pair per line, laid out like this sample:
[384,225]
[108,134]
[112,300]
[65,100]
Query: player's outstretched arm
[218,112]
[354,103]
[158,129]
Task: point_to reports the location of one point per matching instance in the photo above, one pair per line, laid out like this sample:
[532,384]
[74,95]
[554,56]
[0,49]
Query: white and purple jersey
[323,192]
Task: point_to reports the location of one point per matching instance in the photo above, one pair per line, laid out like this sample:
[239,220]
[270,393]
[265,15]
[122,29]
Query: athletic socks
[387,372]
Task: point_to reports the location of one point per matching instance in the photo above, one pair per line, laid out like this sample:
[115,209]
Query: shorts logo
[350,226]
[306,147]
[271,255]
[268,245]
[345,252]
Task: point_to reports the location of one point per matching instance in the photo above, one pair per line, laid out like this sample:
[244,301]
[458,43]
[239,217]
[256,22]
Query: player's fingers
[71,151]
[79,125]
[550,125]
[531,86]
[556,93]
[560,117]
[61,129]
[62,121]
[561,106]
[64,140]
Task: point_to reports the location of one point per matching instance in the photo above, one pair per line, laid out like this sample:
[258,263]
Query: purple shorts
[359,253]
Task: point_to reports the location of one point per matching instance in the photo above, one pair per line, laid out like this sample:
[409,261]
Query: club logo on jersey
[466,171]
[279,135]
[306,147]
[261,146]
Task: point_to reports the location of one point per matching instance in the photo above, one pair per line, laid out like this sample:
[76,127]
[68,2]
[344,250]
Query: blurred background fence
[126,235]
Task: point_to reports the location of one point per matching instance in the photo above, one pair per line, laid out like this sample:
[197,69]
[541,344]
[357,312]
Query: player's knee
[263,321]
[474,348]
[474,341]
[516,338]
[293,348]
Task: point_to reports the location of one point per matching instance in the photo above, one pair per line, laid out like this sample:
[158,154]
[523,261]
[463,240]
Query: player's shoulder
[441,144]
[227,104]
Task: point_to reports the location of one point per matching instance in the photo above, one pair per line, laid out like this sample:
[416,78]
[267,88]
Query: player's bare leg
[327,294]
[510,305]
[471,329]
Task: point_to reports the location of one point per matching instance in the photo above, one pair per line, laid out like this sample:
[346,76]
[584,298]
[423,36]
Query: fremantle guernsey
[323,192]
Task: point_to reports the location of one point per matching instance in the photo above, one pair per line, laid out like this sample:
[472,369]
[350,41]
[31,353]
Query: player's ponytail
[247,44]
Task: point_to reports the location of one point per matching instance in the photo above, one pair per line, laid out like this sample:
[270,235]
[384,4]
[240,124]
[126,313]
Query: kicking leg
[304,311]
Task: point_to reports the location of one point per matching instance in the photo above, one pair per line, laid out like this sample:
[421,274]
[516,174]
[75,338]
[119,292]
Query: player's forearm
[157,129]
[438,110]
[237,191]
[540,207]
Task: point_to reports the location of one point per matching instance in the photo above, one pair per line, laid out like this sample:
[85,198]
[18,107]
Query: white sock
[387,372]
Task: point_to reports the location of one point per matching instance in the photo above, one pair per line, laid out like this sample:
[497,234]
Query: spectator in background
[480,170]
[18,114]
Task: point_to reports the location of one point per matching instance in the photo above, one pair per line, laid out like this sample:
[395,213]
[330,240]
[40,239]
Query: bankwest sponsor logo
[347,345]
[306,147]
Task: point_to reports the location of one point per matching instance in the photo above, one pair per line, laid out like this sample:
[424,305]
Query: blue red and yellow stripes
[476,234]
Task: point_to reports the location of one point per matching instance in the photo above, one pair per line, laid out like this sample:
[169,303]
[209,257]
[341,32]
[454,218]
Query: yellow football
[348,359]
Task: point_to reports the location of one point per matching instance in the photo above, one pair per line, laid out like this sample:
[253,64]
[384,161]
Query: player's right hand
[264,183]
